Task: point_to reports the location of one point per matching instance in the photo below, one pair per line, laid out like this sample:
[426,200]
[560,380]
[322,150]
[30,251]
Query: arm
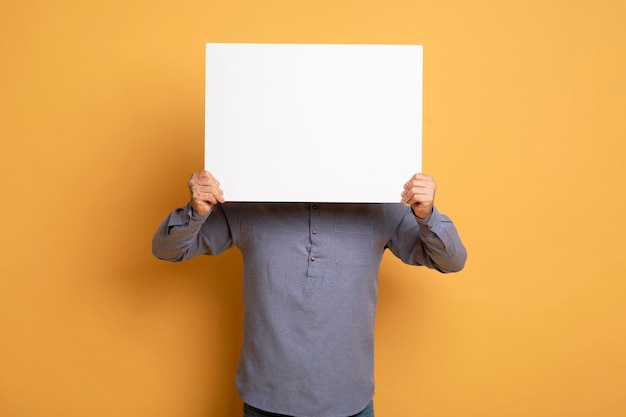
[199,228]
[435,241]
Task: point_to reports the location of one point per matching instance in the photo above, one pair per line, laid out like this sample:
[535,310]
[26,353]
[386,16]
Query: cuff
[431,220]
[182,216]
[192,215]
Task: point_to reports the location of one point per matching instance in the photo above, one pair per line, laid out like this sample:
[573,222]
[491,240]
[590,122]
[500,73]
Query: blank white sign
[323,123]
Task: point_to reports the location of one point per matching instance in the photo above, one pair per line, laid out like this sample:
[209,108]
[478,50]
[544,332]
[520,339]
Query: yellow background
[101,124]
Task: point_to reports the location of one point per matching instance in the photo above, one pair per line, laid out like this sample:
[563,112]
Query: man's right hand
[204,192]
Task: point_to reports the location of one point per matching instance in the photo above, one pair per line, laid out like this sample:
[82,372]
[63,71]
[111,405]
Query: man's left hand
[419,193]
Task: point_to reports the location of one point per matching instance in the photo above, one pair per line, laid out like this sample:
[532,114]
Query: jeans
[249,411]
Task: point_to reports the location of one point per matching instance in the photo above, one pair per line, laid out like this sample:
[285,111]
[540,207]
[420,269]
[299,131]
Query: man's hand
[204,192]
[419,193]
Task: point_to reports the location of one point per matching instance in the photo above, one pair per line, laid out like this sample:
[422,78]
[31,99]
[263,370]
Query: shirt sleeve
[432,242]
[185,234]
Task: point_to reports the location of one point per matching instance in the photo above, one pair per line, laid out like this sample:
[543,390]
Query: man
[310,286]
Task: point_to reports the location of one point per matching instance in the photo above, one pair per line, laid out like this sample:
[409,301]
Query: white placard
[310,122]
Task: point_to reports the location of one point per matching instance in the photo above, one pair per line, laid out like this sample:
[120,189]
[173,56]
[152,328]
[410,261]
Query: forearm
[432,242]
[179,236]
[441,242]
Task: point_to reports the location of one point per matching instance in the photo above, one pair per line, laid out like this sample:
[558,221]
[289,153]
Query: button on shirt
[310,288]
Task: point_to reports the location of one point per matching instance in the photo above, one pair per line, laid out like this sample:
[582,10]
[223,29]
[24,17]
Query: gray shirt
[310,288]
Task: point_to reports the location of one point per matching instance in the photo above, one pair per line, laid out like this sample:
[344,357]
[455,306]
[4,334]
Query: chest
[346,234]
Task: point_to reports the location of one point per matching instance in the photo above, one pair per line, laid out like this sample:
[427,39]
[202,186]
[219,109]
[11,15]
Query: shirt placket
[315,272]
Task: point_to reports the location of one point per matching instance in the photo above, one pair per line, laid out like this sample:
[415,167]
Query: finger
[203,177]
[420,184]
[203,188]
[412,198]
[209,194]
[203,183]
[422,177]
[422,193]
[206,198]
[203,174]
[420,199]
[197,191]
[201,192]
[411,189]
[421,189]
